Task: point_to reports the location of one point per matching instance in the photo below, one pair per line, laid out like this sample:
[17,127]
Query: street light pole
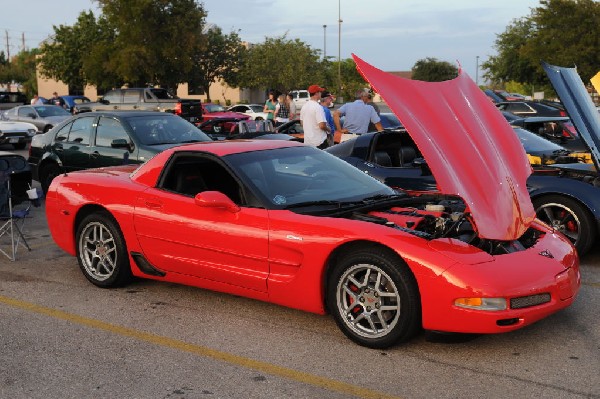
[477,70]
[339,49]
[324,42]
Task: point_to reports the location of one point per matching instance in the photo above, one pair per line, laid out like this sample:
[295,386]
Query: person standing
[358,115]
[289,99]
[282,111]
[270,105]
[56,100]
[313,121]
[36,100]
[326,100]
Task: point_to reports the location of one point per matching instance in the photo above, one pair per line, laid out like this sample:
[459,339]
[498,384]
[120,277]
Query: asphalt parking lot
[61,337]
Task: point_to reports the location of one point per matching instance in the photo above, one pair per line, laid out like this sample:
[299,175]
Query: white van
[300,97]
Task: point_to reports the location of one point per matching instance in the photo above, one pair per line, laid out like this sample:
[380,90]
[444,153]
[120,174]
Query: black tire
[569,217]
[357,301]
[258,118]
[20,146]
[101,251]
[47,173]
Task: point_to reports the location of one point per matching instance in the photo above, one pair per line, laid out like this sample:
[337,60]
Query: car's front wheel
[374,298]
[568,217]
[101,251]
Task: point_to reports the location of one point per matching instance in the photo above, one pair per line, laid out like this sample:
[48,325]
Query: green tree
[433,70]
[220,59]
[155,39]
[22,69]
[279,63]
[64,55]
[562,32]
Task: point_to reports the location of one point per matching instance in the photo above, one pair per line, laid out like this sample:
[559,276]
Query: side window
[113,96]
[109,129]
[190,175]
[25,111]
[238,109]
[81,130]
[131,96]
[63,134]
[303,95]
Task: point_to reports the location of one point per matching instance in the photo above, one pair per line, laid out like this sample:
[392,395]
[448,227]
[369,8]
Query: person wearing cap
[358,115]
[326,99]
[313,120]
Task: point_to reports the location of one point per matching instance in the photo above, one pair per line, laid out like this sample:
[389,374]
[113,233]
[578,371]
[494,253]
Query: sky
[389,34]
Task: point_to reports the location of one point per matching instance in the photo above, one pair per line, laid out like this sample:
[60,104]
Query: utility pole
[324,42]
[23,41]
[339,49]
[7,47]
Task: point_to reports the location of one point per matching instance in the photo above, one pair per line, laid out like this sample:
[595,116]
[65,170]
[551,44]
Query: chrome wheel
[98,251]
[368,301]
[562,219]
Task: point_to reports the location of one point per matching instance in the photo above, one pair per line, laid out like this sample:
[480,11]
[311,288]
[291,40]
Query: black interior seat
[382,158]
[407,155]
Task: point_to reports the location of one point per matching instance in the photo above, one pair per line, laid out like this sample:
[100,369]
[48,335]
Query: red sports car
[293,225]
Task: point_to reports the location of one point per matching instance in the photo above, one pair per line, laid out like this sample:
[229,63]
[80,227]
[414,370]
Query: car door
[72,143]
[112,145]
[29,115]
[179,236]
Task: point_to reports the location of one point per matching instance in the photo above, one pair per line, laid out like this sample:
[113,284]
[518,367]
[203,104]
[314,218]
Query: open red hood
[470,148]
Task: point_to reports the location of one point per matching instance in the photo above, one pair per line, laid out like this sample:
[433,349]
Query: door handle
[153,203]
[115,107]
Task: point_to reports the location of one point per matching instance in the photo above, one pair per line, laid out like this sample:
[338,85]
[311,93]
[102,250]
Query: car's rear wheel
[374,298]
[101,251]
[568,217]
[47,173]
[258,118]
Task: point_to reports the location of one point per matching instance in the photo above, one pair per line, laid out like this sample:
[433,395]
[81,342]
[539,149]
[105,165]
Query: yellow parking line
[305,378]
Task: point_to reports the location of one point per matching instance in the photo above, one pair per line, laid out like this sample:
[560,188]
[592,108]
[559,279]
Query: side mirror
[120,143]
[216,199]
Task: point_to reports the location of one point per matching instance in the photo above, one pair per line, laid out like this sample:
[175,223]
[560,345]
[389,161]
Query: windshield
[165,129]
[390,121]
[285,177]
[533,143]
[214,108]
[51,110]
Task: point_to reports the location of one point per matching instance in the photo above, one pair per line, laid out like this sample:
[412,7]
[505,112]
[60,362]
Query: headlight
[31,132]
[481,303]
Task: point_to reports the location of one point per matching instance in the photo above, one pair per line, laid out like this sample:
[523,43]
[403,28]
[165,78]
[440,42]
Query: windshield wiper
[337,204]
[382,197]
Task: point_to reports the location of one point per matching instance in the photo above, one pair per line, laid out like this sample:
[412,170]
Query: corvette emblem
[547,254]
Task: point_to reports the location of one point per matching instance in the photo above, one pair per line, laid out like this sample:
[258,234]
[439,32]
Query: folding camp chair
[13,213]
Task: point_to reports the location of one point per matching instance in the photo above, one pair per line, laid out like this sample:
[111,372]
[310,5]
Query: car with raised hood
[278,221]
[564,186]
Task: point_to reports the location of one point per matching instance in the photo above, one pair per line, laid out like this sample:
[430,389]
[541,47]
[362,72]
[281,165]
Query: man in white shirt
[312,118]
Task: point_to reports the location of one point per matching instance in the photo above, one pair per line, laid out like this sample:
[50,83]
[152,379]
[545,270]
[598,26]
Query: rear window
[162,94]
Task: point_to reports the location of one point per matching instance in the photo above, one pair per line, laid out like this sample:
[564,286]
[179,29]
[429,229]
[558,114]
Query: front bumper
[534,285]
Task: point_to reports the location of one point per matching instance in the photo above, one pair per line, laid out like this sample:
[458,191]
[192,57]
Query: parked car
[228,128]
[273,220]
[11,99]
[530,108]
[145,99]
[96,139]
[211,111]
[72,102]
[254,110]
[43,117]
[558,129]
[16,133]
[300,97]
[508,96]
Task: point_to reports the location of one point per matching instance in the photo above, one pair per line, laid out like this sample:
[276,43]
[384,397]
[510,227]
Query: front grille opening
[507,322]
[530,300]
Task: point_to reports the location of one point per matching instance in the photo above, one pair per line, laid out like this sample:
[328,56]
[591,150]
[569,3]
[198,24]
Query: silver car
[44,117]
